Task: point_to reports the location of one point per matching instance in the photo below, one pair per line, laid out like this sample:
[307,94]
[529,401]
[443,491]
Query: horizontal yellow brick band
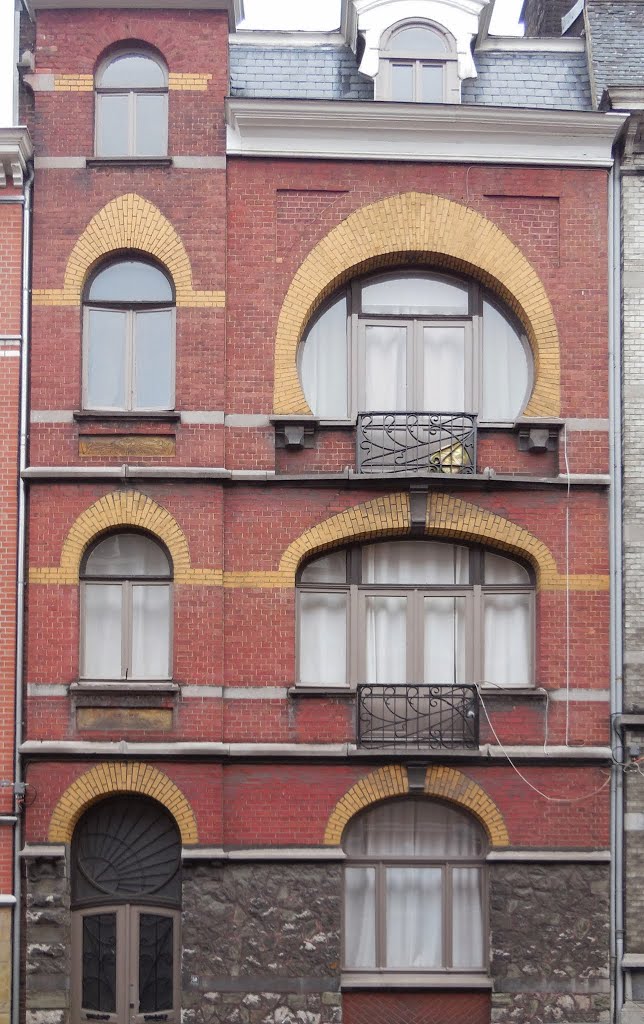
[188,82]
[73,83]
[128,223]
[122,777]
[443,783]
[425,230]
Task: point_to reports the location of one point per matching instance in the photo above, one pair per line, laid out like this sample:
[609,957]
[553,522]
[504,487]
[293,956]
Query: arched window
[418,64]
[415,611]
[132,106]
[126,898]
[126,609]
[414,889]
[128,338]
[415,341]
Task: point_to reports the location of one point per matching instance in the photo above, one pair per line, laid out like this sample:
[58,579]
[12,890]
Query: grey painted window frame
[131,94]
[390,54]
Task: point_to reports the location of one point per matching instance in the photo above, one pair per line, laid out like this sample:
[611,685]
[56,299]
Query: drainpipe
[616,590]
[25,329]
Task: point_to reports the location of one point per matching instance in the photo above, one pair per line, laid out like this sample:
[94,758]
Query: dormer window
[418,64]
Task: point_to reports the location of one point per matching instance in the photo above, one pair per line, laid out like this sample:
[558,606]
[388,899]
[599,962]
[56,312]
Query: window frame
[389,55]
[126,582]
[131,310]
[474,593]
[380,863]
[131,94]
[477,294]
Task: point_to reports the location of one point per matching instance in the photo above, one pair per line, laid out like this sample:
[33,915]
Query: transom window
[414,889]
[126,898]
[132,106]
[128,335]
[418,64]
[126,606]
[413,342]
[415,612]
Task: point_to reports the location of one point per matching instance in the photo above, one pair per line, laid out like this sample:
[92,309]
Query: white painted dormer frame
[394,56]
[374,18]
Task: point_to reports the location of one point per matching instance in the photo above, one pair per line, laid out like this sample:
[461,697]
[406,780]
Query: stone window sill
[409,979]
[123,686]
[91,416]
[128,161]
[321,691]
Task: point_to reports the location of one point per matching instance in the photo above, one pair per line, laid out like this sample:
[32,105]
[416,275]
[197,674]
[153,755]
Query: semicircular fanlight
[125,849]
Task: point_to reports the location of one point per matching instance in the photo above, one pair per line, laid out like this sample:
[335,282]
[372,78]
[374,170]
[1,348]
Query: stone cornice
[420,132]
[16,151]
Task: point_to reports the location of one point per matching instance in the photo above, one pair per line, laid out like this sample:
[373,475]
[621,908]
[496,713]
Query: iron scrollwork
[418,716]
[416,442]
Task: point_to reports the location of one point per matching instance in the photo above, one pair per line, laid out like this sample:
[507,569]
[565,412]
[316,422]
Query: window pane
[385,370]
[505,367]
[127,554]
[112,125]
[102,625]
[156,963]
[467,918]
[402,81]
[499,569]
[416,562]
[415,293]
[150,632]
[508,632]
[444,640]
[151,124]
[385,639]
[99,963]
[414,917]
[130,281]
[444,369]
[105,348]
[323,639]
[360,917]
[431,83]
[328,569]
[410,828]
[132,70]
[323,363]
[419,39]
[153,357]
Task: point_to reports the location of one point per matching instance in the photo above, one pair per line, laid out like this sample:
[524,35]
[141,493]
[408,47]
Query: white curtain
[360,917]
[444,640]
[410,294]
[324,364]
[505,368]
[102,630]
[385,369]
[323,639]
[150,632]
[507,639]
[467,918]
[410,562]
[386,636]
[499,569]
[414,917]
[444,369]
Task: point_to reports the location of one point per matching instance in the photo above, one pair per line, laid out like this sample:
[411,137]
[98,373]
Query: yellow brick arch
[443,783]
[110,778]
[420,228]
[129,222]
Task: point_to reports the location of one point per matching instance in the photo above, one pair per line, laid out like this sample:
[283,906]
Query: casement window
[418,64]
[415,611]
[126,610]
[415,341]
[415,890]
[128,339]
[126,900]
[132,106]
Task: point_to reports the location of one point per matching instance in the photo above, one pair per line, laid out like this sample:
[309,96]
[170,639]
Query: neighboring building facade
[317,662]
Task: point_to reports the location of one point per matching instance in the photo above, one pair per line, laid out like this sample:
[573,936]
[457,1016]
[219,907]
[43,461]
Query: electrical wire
[565,448]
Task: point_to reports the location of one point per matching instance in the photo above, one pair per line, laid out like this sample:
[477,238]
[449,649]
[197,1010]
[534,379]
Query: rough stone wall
[549,943]
[261,944]
[48,937]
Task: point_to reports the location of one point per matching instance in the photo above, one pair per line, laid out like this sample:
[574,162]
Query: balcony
[416,442]
[418,717]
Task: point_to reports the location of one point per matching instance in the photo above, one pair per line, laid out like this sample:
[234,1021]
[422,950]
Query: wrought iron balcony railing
[418,716]
[416,442]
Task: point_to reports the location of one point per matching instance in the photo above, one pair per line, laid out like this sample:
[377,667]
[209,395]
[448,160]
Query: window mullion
[381,915]
[126,631]
[131,122]
[129,359]
[475,646]
[448,907]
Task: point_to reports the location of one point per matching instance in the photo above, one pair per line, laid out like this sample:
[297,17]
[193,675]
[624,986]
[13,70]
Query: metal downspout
[20,586]
[616,592]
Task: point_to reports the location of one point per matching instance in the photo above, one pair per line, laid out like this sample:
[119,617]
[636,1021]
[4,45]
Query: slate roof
[616,42]
[519,79]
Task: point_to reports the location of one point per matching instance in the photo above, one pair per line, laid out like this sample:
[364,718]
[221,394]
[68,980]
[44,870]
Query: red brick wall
[437,1007]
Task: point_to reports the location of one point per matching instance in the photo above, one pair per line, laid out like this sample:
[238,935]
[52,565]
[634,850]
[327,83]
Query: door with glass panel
[126,897]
